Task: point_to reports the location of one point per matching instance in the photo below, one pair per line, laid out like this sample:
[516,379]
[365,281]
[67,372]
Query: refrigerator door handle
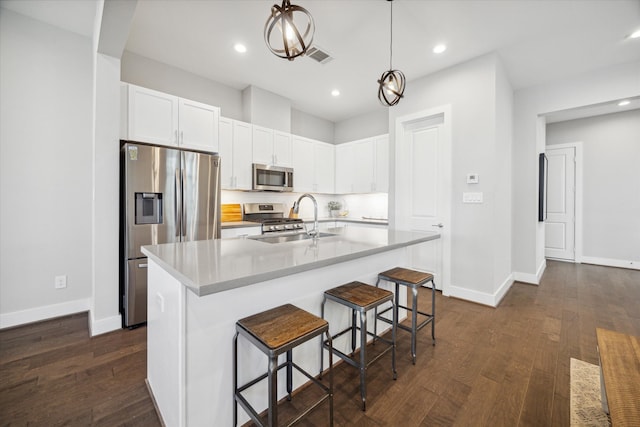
[183,218]
[177,204]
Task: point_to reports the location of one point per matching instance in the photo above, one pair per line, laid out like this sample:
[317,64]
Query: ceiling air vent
[319,54]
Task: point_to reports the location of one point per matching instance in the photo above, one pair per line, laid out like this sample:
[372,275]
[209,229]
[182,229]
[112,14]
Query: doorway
[423,188]
[562,226]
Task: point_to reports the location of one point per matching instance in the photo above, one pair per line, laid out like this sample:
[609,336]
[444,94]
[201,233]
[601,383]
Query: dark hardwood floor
[490,367]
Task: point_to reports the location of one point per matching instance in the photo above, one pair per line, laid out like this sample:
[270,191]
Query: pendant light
[289,42]
[391,83]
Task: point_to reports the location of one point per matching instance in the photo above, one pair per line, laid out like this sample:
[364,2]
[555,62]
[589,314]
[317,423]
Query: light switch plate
[471,197]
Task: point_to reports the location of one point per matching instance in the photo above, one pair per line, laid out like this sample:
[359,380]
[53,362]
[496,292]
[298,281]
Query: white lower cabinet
[229,233]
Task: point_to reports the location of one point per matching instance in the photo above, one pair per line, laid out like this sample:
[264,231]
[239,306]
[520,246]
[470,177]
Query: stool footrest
[425,322]
[348,358]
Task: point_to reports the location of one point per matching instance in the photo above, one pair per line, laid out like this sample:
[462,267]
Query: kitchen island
[198,290]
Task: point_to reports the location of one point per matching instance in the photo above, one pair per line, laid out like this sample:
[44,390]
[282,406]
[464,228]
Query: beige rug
[586,406]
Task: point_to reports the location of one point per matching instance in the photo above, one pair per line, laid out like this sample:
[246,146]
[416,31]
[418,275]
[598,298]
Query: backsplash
[358,205]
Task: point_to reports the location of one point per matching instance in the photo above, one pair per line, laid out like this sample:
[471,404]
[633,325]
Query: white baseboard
[102,326]
[471,295]
[22,317]
[634,265]
[533,279]
[492,300]
[503,289]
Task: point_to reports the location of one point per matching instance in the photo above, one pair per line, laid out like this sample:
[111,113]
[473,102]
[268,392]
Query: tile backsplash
[358,205]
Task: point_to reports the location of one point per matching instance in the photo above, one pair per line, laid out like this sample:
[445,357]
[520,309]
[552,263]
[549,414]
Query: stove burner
[271,216]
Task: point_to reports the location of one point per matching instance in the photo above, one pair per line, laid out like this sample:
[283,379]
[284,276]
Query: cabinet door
[325,171]
[153,116]
[282,149]
[363,166]
[225,139]
[303,165]
[198,125]
[262,145]
[124,111]
[381,184]
[344,168]
[242,155]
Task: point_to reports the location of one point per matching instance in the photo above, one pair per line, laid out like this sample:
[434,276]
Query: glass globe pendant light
[391,83]
[289,42]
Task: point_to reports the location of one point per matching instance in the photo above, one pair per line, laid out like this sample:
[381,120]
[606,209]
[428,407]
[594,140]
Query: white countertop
[210,266]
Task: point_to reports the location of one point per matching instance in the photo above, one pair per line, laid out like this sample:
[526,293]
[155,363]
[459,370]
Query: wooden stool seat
[359,294]
[413,279]
[405,275]
[274,332]
[282,326]
[360,298]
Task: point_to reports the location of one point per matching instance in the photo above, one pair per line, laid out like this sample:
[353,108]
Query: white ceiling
[538,41]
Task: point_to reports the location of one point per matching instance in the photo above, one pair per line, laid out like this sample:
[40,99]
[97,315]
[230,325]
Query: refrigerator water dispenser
[148,208]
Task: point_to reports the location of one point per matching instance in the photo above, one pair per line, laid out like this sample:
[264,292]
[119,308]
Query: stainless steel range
[272,217]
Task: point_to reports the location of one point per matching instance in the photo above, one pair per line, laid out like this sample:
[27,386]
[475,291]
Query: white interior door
[423,158]
[561,201]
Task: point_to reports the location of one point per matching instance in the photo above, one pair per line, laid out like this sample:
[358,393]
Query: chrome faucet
[296,207]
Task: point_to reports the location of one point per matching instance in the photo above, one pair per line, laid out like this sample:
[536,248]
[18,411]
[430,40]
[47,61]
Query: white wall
[530,104]
[46,192]
[146,72]
[363,126]
[479,95]
[233,103]
[611,186]
[310,126]
[264,108]
[502,209]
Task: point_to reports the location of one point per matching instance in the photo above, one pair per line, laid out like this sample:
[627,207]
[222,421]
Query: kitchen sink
[283,238]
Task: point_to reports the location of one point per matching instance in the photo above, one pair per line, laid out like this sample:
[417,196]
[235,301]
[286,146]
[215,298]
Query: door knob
[440,225]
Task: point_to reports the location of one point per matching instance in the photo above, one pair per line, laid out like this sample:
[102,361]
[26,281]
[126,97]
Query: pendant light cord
[391,39]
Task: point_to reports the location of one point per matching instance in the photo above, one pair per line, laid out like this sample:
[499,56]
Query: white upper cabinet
[303,165]
[313,166]
[198,125]
[164,119]
[153,116]
[262,145]
[362,166]
[271,147]
[235,154]
[282,148]
[381,182]
[324,168]
[344,168]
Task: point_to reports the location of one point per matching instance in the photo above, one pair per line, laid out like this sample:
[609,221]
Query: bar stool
[274,332]
[413,279]
[360,298]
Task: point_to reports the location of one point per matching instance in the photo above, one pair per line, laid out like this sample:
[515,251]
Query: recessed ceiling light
[623,103]
[439,48]
[240,48]
[635,35]
[335,92]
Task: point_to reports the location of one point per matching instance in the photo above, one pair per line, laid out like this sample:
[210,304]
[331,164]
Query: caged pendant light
[391,83]
[289,42]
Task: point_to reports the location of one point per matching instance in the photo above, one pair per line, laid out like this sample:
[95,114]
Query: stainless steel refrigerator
[166,195]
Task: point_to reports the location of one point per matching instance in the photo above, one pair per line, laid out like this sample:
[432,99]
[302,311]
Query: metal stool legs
[361,363]
[265,335]
[415,326]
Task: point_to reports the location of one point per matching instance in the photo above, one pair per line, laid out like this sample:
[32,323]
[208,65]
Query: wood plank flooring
[490,367]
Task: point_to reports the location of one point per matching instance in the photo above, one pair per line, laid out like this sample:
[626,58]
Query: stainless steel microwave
[272,178]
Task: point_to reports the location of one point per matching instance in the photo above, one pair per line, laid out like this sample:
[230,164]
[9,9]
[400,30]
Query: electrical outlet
[60,282]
